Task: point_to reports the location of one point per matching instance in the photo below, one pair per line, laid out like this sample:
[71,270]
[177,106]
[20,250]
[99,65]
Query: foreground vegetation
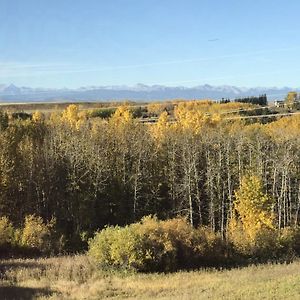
[74,173]
[90,172]
[78,278]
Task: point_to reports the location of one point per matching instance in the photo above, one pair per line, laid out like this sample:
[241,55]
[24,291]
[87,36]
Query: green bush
[117,247]
[154,245]
[103,113]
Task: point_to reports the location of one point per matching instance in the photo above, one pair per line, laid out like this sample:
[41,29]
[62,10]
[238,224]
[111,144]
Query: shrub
[289,241]
[117,247]
[266,245]
[161,241]
[238,237]
[261,246]
[154,245]
[100,246]
[209,248]
[21,116]
[36,234]
[103,113]
[6,232]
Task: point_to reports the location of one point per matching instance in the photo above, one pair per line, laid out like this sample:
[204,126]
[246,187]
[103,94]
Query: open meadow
[77,277]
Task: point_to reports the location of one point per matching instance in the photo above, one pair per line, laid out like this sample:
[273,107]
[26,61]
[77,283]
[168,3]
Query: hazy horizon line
[165,84]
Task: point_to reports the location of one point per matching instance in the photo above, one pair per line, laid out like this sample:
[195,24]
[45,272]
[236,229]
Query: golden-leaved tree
[253,218]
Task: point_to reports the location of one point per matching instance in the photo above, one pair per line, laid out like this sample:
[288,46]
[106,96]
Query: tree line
[90,172]
[260,100]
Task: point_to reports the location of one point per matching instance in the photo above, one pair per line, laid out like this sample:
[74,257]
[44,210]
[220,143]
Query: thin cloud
[26,70]
[16,65]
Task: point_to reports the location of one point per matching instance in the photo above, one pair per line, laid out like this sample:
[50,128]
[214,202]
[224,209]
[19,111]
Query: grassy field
[78,278]
[50,107]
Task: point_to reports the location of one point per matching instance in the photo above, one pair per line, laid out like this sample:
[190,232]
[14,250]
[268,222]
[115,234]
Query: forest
[72,174]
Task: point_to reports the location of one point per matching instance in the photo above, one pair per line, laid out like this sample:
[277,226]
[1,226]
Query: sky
[68,43]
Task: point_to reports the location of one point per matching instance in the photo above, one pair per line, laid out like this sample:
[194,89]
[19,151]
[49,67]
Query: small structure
[279,103]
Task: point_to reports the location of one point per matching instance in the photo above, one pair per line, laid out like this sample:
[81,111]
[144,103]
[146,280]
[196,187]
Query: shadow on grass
[22,293]
[10,265]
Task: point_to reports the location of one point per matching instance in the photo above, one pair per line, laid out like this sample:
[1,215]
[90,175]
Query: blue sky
[73,43]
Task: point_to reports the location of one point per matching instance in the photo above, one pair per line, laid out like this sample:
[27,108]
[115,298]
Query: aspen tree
[253,207]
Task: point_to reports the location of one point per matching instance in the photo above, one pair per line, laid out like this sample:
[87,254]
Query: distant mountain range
[139,92]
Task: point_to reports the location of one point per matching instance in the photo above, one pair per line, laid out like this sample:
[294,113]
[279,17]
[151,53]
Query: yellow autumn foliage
[284,128]
[36,233]
[38,117]
[122,117]
[161,128]
[194,120]
[253,216]
[73,117]
[154,245]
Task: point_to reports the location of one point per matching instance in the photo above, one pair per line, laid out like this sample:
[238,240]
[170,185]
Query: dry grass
[49,107]
[77,277]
